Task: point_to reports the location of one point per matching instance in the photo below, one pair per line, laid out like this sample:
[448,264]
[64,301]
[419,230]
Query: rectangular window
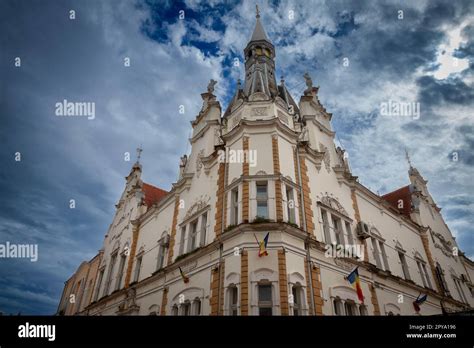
[265,299]
[120,271]
[99,283]
[161,255]
[442,281]
[404,264]
[422,275]
[203,229]
[376,253]
[350,237]
[349,308]
[182,239]
[296,301]
[262,200]
[234,206]
[327,232]
[290,204]
[233,300]
[384,256]
[109,275]
[460,290]
[137,268]
[192,236]
[338,230]
[338,307]
[427,277]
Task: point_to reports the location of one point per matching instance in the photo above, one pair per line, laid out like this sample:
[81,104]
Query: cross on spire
[139,153]
[408,158]
[258,12]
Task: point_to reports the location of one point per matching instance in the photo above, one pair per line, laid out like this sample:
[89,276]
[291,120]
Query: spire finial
[139,153]
[258,12]
[408,158]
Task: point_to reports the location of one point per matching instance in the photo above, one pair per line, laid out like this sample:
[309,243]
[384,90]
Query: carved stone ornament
[283,118]
[304,135]
[217,137]
[129,305]
[333,204]
[199,162]
[197,206]
[326,158]
[210,86]
[260,111]
[442,244]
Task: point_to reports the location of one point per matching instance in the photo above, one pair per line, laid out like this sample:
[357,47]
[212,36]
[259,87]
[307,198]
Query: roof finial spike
[139,153]
[258,12]
[408,158]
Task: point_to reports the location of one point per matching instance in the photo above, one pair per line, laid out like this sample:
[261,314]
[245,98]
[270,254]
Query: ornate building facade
[270,166]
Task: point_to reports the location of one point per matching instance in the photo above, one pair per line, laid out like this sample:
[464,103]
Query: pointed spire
[259,33]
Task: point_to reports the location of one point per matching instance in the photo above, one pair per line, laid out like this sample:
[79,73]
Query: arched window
[233,296]
[350,308]
[441,279]
[162,246]
[297,297]
[174,310]
[196,306]
[186,308]
[338,306]
[265,305]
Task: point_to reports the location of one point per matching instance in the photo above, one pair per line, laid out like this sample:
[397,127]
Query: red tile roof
[152,194]
[403,194]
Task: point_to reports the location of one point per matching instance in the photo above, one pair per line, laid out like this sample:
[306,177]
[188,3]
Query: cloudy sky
[360,53]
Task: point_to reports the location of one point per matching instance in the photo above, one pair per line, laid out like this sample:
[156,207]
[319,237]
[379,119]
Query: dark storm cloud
[452,91]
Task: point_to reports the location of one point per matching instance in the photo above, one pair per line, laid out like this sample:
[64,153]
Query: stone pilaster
[426,246]
[276,171]
[173,230]
[220,201]
[306,196]
[133,250]
[283,281]
[244,283]
[374,299]
[217,277]
[317,288]
[245,185]
[164,301]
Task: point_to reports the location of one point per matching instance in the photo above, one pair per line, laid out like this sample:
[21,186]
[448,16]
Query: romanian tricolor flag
[262,245]
[419,300]
[185,278]
[353,278]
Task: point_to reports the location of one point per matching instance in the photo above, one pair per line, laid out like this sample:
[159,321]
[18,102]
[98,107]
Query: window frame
[265,304]
[262,199]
